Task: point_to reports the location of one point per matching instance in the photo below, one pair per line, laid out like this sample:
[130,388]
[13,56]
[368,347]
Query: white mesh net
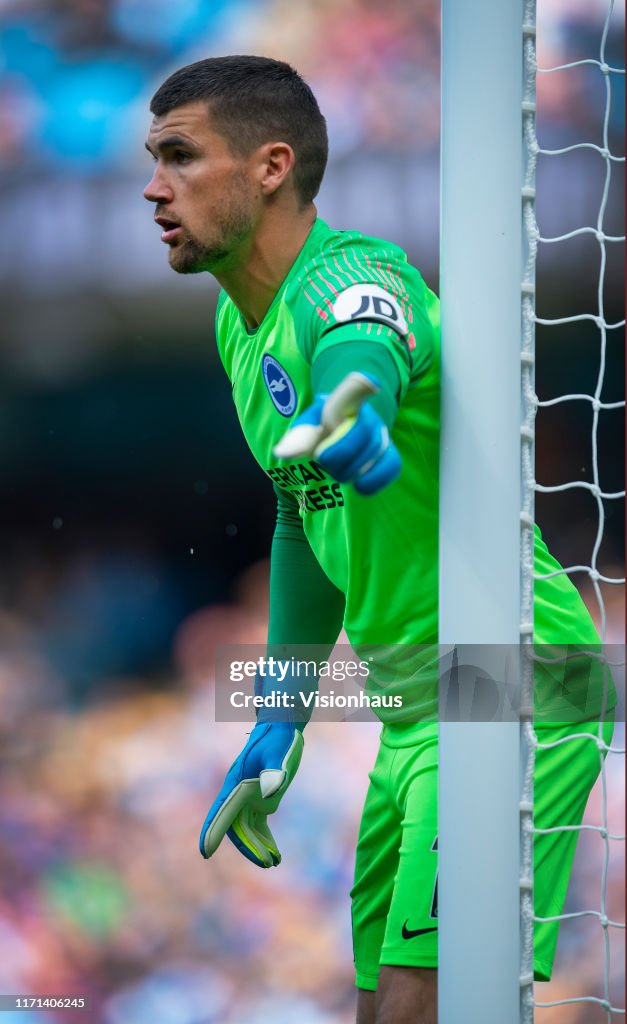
[596,993]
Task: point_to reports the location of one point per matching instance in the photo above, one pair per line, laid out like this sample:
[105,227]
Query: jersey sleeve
[349,294]
[305,607]
[335,362]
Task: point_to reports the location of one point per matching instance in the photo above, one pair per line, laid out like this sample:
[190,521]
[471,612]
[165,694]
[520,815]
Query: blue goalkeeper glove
[346,436]
[253,789]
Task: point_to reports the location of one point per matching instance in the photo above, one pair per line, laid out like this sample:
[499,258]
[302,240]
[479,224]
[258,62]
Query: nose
[157,190]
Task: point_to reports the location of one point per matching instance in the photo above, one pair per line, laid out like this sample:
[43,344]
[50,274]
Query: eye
[180,156]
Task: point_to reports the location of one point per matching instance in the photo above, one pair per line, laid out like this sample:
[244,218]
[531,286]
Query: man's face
[207,202]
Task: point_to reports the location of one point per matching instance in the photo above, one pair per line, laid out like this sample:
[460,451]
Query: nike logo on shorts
[411,933]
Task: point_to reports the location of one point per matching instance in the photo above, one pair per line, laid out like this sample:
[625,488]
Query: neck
[270,256]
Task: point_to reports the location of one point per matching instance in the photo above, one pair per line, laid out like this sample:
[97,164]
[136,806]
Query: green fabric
[305,607]
[335,362]
[361,543]
[571,691]
[396,863]
[306,610]
[381,551]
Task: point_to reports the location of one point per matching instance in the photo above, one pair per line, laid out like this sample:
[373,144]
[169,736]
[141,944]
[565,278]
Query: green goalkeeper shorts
[394,898]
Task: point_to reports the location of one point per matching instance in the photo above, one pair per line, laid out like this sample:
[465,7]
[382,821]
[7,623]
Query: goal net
[593,921]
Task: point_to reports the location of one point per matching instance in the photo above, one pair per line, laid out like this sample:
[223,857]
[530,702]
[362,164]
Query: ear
[275,163]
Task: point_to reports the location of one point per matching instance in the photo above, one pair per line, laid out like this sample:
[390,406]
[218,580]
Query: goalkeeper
[240,148]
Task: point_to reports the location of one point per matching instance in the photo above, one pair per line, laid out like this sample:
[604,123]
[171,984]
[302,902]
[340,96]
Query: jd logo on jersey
[369,302]
[280,387]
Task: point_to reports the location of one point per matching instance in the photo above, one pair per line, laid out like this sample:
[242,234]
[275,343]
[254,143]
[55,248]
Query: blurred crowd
[73,73]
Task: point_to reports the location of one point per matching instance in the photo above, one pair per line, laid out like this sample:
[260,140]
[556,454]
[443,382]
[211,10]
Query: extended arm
[305,609]
[343,427]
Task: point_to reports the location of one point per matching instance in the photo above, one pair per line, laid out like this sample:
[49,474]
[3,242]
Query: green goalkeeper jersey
[380,551]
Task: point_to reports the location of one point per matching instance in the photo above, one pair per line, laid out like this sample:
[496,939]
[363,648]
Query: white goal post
[482,265]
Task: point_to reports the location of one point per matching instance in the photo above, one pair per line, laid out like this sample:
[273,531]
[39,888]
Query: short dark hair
[253,100]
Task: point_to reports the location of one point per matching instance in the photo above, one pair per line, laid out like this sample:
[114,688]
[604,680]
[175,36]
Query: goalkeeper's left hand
[346,436]
[253,788]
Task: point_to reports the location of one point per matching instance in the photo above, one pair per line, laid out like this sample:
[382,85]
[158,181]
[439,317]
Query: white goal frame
[482,267]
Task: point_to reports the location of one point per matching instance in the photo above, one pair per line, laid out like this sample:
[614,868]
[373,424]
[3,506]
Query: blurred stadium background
[135,526]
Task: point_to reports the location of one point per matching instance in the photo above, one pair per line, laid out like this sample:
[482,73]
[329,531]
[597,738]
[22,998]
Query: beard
[190,256]
[233,225]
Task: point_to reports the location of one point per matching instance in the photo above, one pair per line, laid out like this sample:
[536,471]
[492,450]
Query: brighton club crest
[279,385]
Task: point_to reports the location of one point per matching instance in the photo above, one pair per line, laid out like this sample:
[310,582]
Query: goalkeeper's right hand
[346,435]
[253,788]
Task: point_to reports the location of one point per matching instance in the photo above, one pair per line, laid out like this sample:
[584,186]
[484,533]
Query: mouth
[171,229]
